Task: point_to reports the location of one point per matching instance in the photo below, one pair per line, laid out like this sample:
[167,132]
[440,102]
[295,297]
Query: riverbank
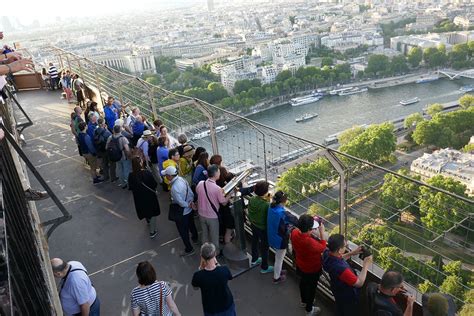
[374,84]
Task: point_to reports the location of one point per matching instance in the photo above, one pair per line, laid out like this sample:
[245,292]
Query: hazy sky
[45,9]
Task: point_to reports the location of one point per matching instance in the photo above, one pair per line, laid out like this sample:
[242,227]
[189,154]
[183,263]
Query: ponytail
[278,198]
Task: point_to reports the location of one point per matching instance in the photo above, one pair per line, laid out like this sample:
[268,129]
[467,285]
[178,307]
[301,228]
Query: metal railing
[26,287]
[346,190]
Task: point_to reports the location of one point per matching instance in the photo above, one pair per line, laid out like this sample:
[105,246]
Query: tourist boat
[208,132]
[428,79]
[410,101]
[353,91]
[466,89]
[306,99]
[305,117]
[337,91]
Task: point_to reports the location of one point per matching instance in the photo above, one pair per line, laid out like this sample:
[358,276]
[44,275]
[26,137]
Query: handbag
[176,211]
[154,299]
[212,205]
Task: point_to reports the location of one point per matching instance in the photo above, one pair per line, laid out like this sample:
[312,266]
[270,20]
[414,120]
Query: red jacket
[308,251]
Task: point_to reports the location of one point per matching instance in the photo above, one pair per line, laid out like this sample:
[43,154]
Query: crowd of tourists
[139,156]
[123,147]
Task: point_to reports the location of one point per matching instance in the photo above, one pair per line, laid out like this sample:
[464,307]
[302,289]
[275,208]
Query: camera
[365,253]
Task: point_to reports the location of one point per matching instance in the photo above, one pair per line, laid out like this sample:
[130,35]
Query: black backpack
[100,140]
[113,150]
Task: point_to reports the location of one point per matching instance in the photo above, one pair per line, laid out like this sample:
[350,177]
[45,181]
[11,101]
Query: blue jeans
[229,312]
[123,169]
[94,310]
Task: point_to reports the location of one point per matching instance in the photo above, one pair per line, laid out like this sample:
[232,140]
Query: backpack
[114,151]
[100,140]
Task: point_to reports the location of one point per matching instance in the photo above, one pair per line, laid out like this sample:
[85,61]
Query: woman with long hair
[200,173]
[278,222]
[152,297]
[228,223]
[143,186]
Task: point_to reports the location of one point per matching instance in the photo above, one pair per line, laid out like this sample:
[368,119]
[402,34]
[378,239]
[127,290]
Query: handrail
[29,121]
[255,123]
[66,216]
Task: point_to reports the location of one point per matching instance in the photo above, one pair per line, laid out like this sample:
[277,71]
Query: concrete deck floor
[106,236]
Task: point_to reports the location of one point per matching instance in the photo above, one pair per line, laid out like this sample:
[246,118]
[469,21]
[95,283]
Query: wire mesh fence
[410,226]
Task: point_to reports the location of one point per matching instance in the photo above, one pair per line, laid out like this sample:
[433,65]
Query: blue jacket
[199,174]
[278,220]
[162,154]
[335,266]
[85,142]
[110,116]
[91,129]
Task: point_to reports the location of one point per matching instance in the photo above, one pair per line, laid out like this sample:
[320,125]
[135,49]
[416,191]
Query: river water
[337,113]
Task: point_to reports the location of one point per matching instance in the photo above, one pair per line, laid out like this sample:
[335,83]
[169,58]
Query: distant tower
[210,5]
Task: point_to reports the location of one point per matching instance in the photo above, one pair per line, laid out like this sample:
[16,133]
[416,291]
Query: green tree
[438,210]
[428,53]
[398,193]
[415,55]
[437,60]
[377,64]
[398,64]
[412,119]
[153,79]
[469,148]
[326,61]
[292,19]
[453,268]
[349,134]
[283,76]
[375,144]
[390,258]
[434,108]
[452,285]
[468,308]
[374,235]
[466,101]
[427,287]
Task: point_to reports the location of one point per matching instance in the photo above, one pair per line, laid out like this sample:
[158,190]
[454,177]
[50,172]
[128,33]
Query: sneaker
[114,179]
[35,195]
[267,270]
[188,253]
[282,278]
[256,262]
[315,311]
[153,235]
[124,186]
[97,180]
[302,305]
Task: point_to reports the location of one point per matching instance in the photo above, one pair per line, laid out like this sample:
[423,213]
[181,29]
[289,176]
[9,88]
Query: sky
[47,9]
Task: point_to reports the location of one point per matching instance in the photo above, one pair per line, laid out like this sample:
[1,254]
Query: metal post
[212,128]
[340,168]
[152,103]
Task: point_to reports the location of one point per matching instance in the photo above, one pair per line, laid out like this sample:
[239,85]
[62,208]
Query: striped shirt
[147,299]
[53,72]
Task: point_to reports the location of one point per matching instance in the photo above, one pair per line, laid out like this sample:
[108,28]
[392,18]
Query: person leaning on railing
[381,296]
[308,244]
[345,283]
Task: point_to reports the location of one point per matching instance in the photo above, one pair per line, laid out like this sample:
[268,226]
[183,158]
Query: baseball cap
[170,171]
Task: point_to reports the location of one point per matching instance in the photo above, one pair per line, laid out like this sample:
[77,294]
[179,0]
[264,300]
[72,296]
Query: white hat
[315,222]
[119,122]
[169,171]
[146,133]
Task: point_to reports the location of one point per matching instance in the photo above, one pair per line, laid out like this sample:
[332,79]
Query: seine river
[337,113]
